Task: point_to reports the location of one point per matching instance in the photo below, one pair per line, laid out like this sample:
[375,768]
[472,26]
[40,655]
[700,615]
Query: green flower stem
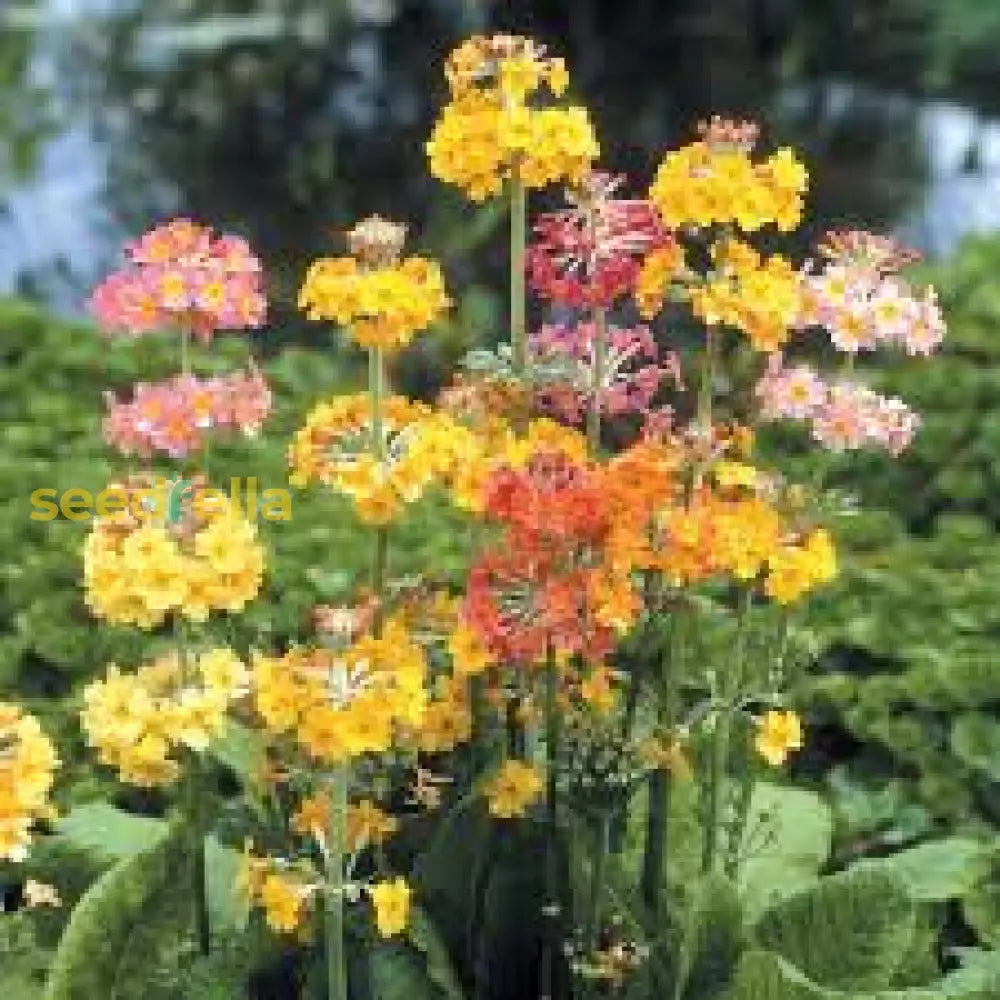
[518,244]
[707,377]
[600,358]
[553,905]
[744,793]
[336,964]
[380,558]
[185,350]
[602,848]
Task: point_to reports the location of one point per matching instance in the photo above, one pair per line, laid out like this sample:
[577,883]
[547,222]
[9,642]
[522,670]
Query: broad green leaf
[975,740]
[107,833]
[848,931]
[786,842]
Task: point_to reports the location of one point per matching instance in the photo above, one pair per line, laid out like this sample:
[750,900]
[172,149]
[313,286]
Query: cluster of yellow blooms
[344,703]
[141,722]
[138,572]
[716,182]
[760,296]
[285,894]
[380,306]
[27,764]
[512,789]
[494,127]
[447,719]
[419,447]
[658,268]
[367,824]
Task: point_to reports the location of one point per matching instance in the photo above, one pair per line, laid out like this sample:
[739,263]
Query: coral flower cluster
[496,126]
[28,763]
[141,723]
[139,570]
[182,276]
[175,417]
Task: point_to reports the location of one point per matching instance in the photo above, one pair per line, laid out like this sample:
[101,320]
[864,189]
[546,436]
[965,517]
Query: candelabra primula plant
[630,615]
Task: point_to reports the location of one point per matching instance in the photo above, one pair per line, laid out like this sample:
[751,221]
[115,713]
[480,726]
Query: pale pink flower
[795,392]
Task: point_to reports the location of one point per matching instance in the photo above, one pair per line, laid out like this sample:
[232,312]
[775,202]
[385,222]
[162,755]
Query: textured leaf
[848,931]
[975,740]
[107,833]
[714,938]
[786,841]
[424,937]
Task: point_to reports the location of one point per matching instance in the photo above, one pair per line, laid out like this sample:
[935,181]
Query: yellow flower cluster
[762,297]
[341,704]
[794,570]
[658,267]
[481,454]
[419,446]
[141,722]
[367,825]
[469,654]
[381,306]
[778,733]
[138,572]
[27,764]
[512,789]
[447,719]
[716,182]
[490,131]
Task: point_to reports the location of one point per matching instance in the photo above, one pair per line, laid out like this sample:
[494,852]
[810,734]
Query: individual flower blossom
[381,299]
[141,569]
[512,789]
[418,448]
[367,824]
[597,689]
[447,718]
[716,181]
[632,371]
[795,569]
[795,392]
[862,301]
[778,733]
[469,654]
[181,275]
[141,722]
[659,268]
[336,705]
[176,416]
[391,901]
[588,255]
[28,763]
[761,297]
[495,126]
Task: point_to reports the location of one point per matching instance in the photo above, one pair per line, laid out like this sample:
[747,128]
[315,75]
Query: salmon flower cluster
[141,723]
[28,763]
[182,276]
[502,120]
[175,418]
[140,570]
[381,300]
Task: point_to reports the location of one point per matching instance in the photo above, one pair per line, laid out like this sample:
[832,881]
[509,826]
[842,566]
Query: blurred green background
[286,120]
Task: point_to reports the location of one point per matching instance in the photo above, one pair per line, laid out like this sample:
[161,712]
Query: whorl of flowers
[418,448]
[497,124]
[181,275]
[138,569]
[381,299]
[860,298]
[843,415]
[28,763]
[716,181]
[632,373]
[141,723]
[338,704]
[589,254]
[175,417]
[512,789]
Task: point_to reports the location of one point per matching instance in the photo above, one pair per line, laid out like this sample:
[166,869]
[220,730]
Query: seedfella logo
[166,499]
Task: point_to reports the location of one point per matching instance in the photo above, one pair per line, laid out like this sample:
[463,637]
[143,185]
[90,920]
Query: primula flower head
[181,275]
[778,734]
[512,789]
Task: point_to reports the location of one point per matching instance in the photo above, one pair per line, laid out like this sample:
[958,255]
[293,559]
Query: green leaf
[786,842]
[100,949]
[397,973]
[975,740]
[848,931]
[422,934]
[981,908]
[109,834]
[939,869]
[713,939]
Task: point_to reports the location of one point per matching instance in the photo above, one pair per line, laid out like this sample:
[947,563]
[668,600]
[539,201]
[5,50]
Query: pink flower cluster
[181,275]
[174,417]
[863,303]
[632,372]
[843,415]
[589,254]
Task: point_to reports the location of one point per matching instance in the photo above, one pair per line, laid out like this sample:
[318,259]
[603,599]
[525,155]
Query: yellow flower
[513,788]
[391,900]
[778,733]
[469,654]
[282,900]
